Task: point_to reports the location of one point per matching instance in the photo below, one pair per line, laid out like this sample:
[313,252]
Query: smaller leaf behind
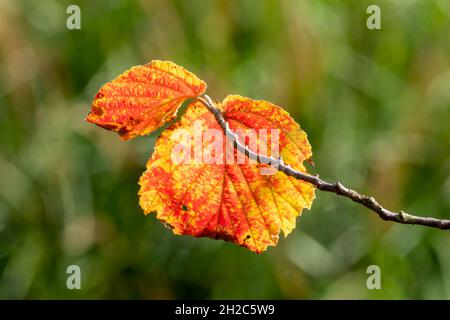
[144,98]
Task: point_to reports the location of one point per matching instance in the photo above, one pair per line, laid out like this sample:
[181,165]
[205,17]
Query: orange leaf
[224,200]
[144,98]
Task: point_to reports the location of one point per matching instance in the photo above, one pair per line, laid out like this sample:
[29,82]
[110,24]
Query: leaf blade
[233,202]
[144,98]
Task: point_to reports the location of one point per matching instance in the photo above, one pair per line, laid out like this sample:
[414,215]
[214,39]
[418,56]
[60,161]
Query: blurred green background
[375,105]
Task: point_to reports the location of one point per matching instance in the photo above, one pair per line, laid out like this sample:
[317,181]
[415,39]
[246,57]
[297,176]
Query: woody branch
[337,187]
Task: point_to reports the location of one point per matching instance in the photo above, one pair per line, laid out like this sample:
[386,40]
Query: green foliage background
[375,105]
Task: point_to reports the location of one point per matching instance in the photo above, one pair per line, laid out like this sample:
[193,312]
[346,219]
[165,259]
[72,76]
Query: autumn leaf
[144,98]
[199,181]
[228,198]
[224,200]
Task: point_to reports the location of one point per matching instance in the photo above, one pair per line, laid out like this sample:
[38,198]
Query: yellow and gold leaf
[222,200]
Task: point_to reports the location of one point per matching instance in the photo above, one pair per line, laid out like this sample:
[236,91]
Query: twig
[337,188]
